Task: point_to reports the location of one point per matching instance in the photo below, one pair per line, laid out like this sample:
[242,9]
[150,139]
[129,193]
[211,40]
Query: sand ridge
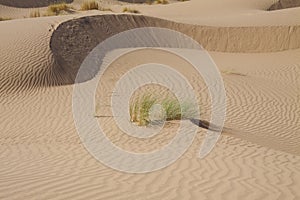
[87,32]
[31,3]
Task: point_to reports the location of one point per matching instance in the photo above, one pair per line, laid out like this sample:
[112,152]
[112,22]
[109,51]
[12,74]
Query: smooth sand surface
[257,156]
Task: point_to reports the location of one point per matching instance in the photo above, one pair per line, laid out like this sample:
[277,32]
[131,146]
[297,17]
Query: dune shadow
[283,4]
[206,125]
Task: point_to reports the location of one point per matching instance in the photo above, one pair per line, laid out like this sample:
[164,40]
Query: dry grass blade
[89,5]
[56,9]
[130,10]
[4,18]
[35,13]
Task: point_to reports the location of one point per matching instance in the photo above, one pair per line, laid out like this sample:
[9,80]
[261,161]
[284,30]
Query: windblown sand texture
[257,52]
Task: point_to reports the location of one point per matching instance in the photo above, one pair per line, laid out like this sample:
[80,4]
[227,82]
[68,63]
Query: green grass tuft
[139,111]
[140,108]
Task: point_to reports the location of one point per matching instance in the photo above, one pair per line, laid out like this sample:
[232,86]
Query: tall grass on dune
[140,108]
[130,10]
[35,13]
[89,5]
[56,9]
[4,18]
[161,1]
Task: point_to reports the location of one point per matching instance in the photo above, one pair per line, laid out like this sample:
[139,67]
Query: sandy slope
[229,13]
[42,156]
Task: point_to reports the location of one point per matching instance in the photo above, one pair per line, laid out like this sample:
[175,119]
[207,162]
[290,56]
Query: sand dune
[69,46]
[230,13]
[31,3]
[42,156]
[74,39]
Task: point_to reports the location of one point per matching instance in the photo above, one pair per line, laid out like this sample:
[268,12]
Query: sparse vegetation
[161,1]
[4,18]
[56,9]
[149,2]
[139,111]
[35,13]
[89,5]
[140,108]
[182,0]
[130,10]
[157,2]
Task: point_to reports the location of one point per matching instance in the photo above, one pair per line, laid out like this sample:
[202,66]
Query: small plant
[89,5]
[149,2]
[172,109]
[161,1]
[35,13]
[157,2]
[182,0]
[56,9]
[139,110]
[130,10]
[4,18]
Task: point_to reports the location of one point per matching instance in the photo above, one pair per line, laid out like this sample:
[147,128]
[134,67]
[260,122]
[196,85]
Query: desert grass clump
[4,18]
[35,13]
[89,5]
[150,2]
[140,109]
[161,1]
[56,9]
[130,10]
[176,111]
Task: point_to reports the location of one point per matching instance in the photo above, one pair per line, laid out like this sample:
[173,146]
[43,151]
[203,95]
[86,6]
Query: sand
[31,3]
[258,55]
[283,4]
